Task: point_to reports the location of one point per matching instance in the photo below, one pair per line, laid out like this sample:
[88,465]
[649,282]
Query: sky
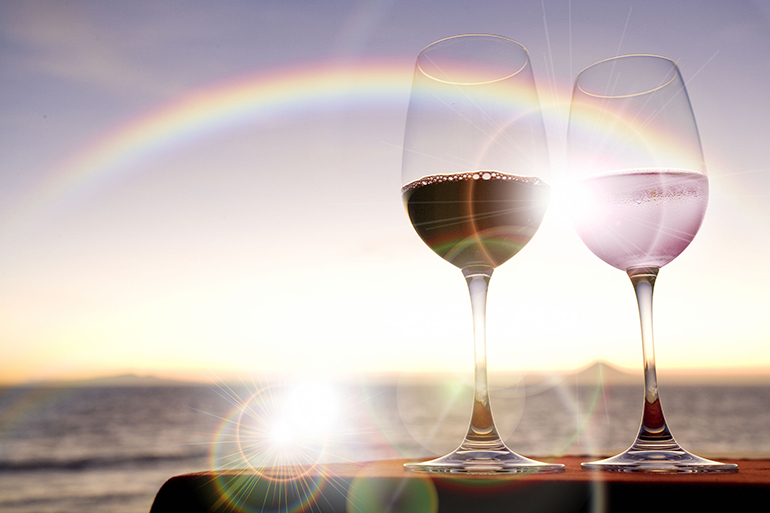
[191,188]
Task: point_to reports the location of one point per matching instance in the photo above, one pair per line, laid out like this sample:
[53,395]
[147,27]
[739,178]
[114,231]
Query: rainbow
[227,106]
[219,108]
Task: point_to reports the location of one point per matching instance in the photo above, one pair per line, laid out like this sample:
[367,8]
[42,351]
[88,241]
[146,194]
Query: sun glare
[561,205]
[293,426]
[277,440]
[308,416]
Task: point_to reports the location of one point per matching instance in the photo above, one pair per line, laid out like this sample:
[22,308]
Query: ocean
[109,449]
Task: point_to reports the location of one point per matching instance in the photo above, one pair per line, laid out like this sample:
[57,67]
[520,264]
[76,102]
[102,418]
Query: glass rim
[480,82]
[618,57]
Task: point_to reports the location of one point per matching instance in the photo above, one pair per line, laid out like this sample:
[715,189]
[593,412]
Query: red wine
[478,218]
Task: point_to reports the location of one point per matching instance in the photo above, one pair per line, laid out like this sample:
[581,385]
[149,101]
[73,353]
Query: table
[380,486]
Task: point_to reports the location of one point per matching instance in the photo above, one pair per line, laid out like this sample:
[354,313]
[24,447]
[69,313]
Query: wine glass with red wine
[475,154]
[639,196]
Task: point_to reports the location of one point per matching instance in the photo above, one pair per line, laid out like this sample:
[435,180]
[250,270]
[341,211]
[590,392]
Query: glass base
[496,461]
[676,461]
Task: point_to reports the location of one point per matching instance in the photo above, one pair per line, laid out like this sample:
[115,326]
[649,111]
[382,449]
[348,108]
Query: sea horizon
[597,372]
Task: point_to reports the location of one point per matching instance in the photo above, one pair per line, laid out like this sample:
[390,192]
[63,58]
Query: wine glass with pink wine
[639,198]
[474,157]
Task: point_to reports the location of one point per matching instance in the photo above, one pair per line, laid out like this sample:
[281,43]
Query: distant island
[121,380]
[608,374]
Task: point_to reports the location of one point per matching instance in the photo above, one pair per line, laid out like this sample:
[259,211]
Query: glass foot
[499,461]
[660,461]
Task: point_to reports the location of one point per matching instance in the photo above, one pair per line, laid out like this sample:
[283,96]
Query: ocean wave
[99,501]
[98,462]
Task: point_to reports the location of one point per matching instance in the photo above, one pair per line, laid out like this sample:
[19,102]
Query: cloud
[114,51]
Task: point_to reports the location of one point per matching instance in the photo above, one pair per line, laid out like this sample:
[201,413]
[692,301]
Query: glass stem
[654,434]
[482,434]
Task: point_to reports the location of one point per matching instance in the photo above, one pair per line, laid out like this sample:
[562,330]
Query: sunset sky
[196,187]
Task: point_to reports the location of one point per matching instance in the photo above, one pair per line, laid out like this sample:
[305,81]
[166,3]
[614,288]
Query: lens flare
[270,451]
[417,495]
